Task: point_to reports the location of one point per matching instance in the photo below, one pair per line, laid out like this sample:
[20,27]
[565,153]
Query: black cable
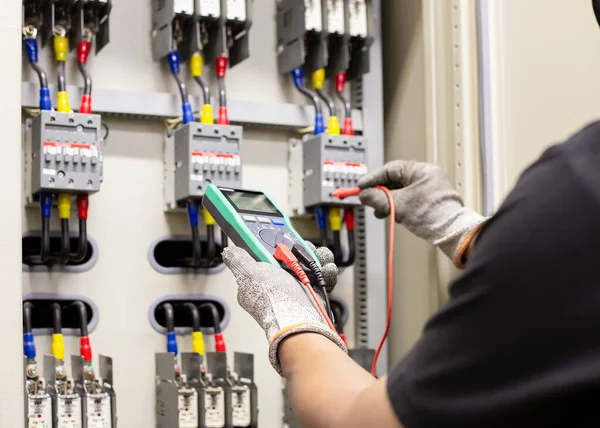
[337,247]
[313,97]
[27,310]
[65,242]
[82,243]
[196,261]
[306,259]
[213,311]
[222,92]
[169,317]
[57,318]
[41,74]
[337,313]
[87,89]
[205,89]
[60,72]
[195,314]
[347,105]
[328,100]
[83,318]
[107,131]
[351,251]
[182,88]
[211,248]
[324,240]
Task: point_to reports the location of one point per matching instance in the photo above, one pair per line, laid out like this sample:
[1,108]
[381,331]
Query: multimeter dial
[272,231]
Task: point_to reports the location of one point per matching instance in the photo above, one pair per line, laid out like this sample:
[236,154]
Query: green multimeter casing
[252,221]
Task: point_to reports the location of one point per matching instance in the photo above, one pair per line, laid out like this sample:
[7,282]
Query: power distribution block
[321,164]
[338,37]
[173,23]
[64,153]
[360,29]
[301,35]
[238,15]
[196,155]
[98,399]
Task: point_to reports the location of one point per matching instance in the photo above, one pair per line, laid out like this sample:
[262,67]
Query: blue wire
[192,210]
[28,345]
[31,47]
[46,204]
[319,124]
[174,61]
[172,343]
[321,216]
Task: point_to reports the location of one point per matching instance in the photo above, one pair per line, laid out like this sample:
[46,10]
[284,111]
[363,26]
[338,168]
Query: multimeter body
[252,221]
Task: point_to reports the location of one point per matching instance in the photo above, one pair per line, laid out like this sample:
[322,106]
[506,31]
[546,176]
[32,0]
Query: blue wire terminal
[298,77]
[46,204]
[321,215]
[319,124]
[172,342]
[192,210]
[28,345]
[188,114]
[174,61]
[45,101]
[31,47]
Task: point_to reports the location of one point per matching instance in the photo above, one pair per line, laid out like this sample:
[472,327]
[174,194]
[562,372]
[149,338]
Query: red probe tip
[343,193]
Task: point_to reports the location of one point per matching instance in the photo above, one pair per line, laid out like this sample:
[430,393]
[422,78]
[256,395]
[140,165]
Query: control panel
[66,153]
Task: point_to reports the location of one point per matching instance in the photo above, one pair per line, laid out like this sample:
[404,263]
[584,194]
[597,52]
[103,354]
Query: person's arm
[328,389]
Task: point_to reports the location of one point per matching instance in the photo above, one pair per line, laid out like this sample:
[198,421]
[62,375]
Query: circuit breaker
[204,154]
[66,153]
[321,164]
[301,35]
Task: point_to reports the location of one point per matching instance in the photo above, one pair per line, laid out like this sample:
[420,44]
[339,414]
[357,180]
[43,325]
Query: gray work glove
[277,301]
[426,204]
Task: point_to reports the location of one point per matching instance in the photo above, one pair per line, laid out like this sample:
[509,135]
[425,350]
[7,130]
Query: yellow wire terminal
[198,342]
[58,346]
[64,206]
[206,115]
[63,105]
[208,219]
[318,78]
[333,126]
[335,219]
[61,47]
[196,64]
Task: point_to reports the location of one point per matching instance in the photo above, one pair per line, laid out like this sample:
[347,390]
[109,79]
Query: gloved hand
[277,301]
[426,204]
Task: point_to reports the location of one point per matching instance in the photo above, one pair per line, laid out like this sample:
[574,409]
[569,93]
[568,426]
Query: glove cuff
[465,244]
[300,328]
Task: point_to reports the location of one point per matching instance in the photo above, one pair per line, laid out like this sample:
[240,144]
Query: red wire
[390,272]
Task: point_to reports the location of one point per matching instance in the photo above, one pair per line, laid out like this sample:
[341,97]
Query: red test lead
[343,192]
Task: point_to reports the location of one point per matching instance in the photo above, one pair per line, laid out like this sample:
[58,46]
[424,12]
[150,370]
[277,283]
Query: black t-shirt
[518,343]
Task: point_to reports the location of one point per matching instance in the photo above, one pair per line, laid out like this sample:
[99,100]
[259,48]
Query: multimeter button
[249,218]
[264,220]
[269,236]
[278,221]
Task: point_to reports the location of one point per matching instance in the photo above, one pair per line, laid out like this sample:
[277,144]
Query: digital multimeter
[252,221]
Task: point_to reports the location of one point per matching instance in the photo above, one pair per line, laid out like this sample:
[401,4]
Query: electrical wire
[174,64]
[58,345]
[340,83]
[64,212]
[321,217]
[192,209]
[285,255]
[61,47]
[83,51]
[213,312]
[196,65]
[298,78]
[56,318]
[342,193]
[60,73]
[335,223]
[211,247]
[45,210]
[349,220]
[194,314]
[27,316]
[170,324]
[82,214]
[221,69]
[197,338]
[318,78]
[31,47]
[28,341]
[85,350]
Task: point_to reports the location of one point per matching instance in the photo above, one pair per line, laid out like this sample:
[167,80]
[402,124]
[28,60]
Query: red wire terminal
[221,66]
[343,192]
[82,206]
[340,81]
[83,51]
[349,218]
[85,349]
[86,104]
[223,118]
[348,128]
[219,343]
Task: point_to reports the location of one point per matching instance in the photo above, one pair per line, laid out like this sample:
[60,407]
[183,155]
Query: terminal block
[56,14]
[173,22]
[237,26]
[360,29]
[301,35]
[198,154]
[38,403]
[98,399]
[66,404]
[209,30]
[321,164]
[338,37]
[64,153]
[91,15]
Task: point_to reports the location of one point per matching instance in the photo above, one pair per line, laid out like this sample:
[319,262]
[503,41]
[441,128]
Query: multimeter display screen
[252,202]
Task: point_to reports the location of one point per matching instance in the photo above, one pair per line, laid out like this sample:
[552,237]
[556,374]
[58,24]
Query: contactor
[65,154]
[98,400]
[202,154]
[301,35]
[320,165]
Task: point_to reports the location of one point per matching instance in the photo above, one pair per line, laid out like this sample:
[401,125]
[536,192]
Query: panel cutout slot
[173,254]
[31,243]
[42,319]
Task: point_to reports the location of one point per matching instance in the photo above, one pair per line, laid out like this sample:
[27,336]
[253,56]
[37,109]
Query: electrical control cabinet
[65,153]
[301,35]
[321,164]
[202,154]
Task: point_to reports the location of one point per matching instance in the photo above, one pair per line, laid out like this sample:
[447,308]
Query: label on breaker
[358,18]
[184,6]
[335,16]
[216,158]
[313,16]
[241,407]
[214,406]
[210,8]
[188,409]
[345,167]
[39,412]
[68,412]
[236,10]
[98,412]
[71,149]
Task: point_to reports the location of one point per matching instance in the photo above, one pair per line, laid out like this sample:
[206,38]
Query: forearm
[328,389]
